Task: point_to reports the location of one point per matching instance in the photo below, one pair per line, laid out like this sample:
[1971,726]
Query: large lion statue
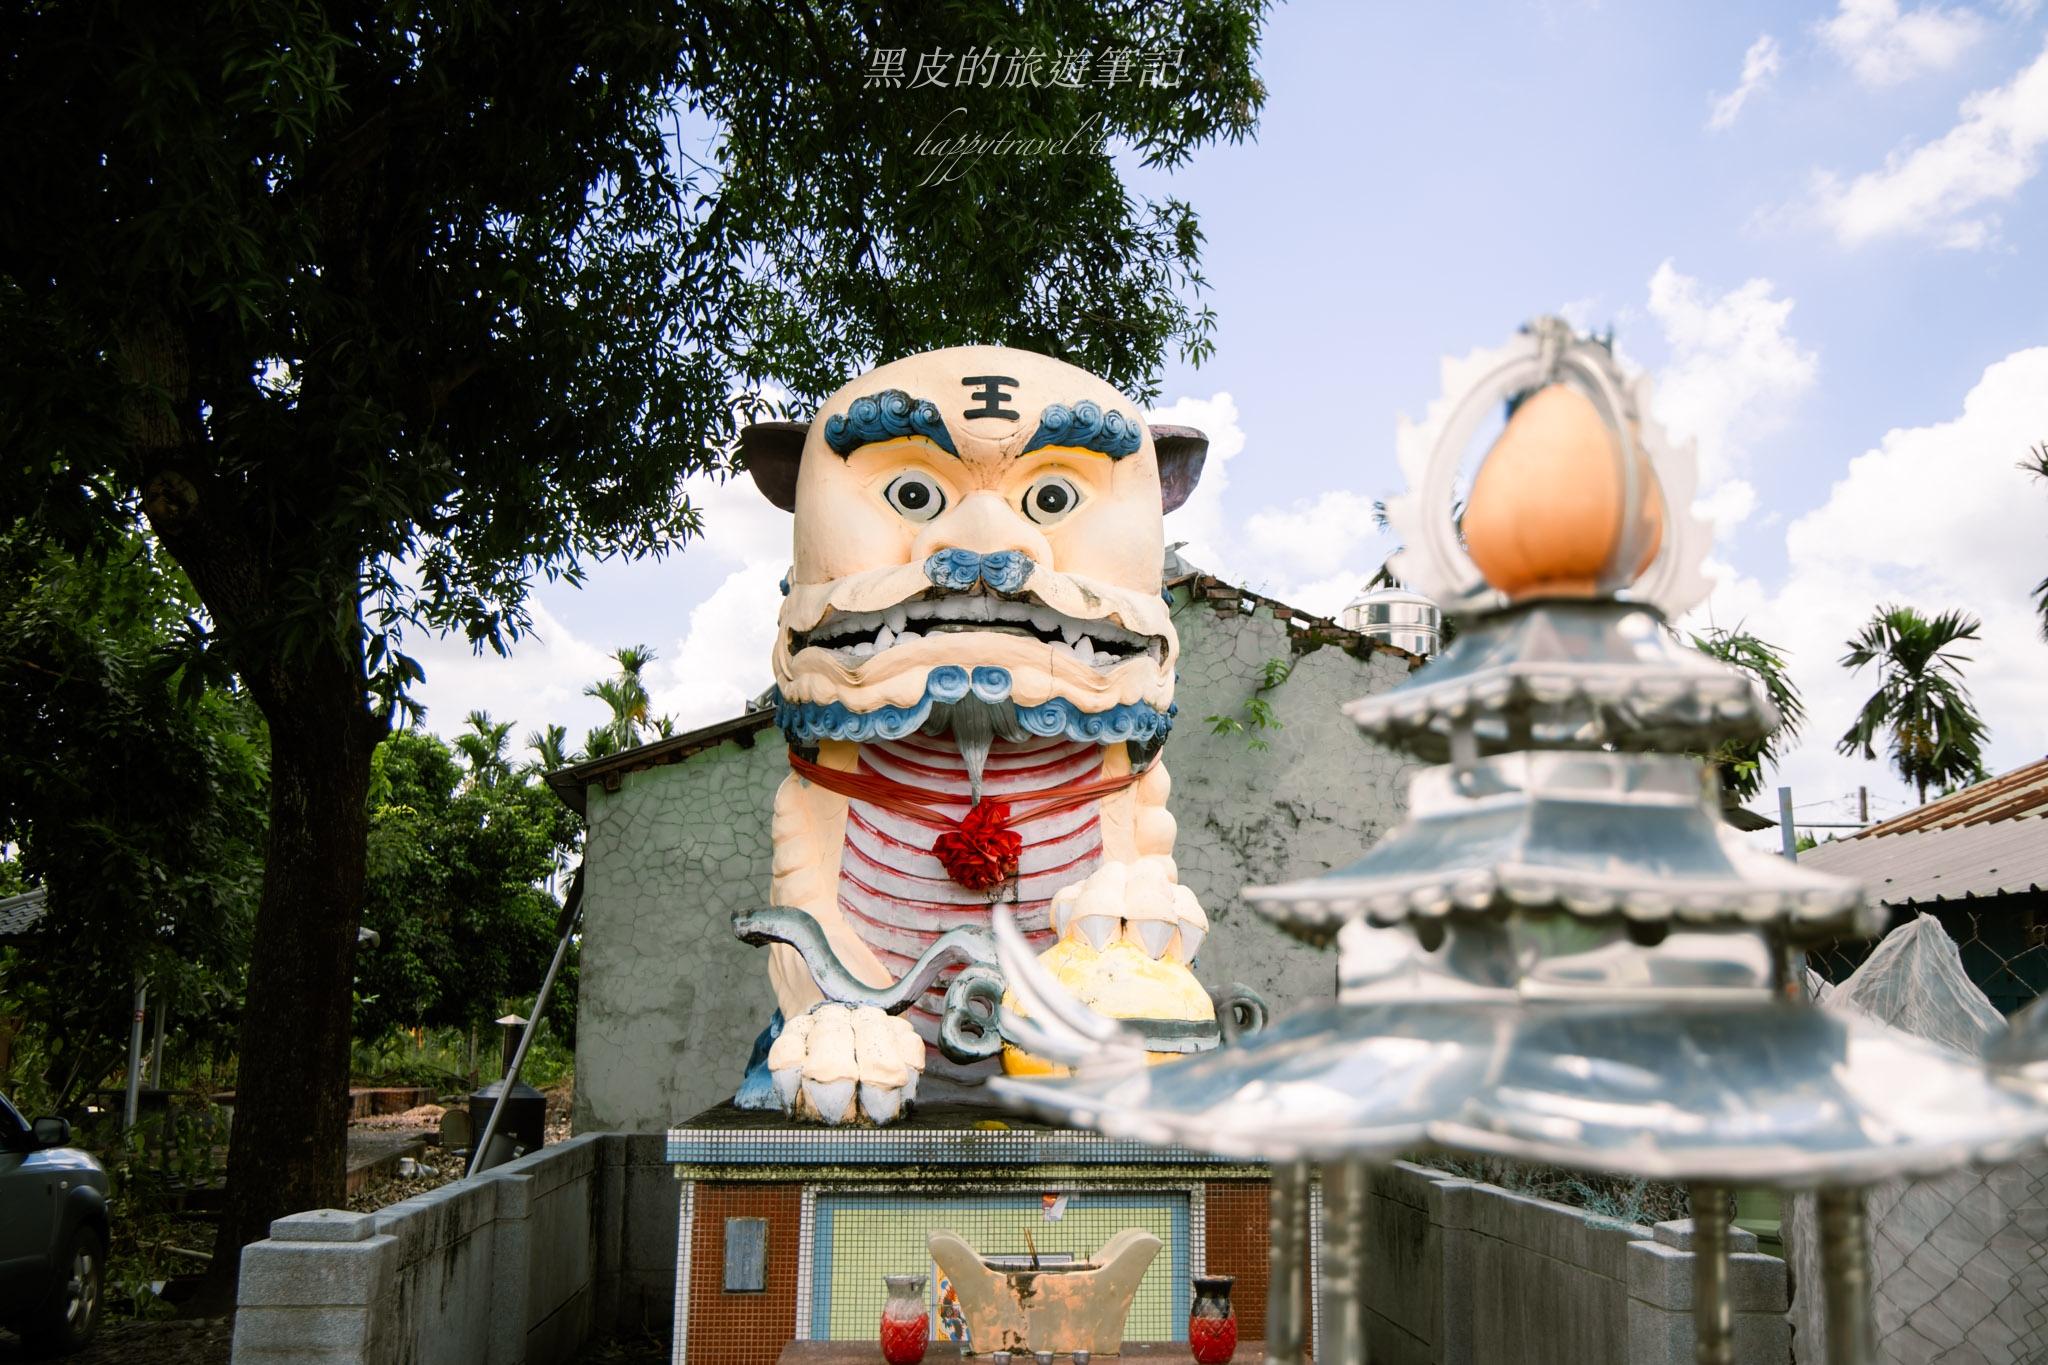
[975,669]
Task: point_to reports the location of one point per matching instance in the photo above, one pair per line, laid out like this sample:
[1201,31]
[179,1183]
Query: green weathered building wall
[671,1002]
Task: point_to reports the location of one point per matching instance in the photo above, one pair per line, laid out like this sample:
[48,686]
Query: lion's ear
[1181,451]
[772,452]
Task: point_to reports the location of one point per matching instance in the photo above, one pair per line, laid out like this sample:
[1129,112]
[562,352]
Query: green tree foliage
[1937,737]
[460,850]
[134,796]
[379,310]
[1743,764]
[1259,712]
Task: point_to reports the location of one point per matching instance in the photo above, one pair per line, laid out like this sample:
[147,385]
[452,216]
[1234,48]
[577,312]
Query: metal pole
[1287,1279]
[564,927]
[1787,836]
[1863,804]
[1347,1197]
[1713,1311]
[135,1050]
[1845,1269]
[156,1053]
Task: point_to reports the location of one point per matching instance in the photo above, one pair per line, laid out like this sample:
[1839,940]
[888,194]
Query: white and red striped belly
[897,895]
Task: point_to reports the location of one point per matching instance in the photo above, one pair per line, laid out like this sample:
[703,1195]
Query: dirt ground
[206,1341]
[181,1341]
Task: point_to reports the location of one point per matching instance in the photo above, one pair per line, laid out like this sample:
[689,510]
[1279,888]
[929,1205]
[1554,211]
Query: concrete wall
[671,1003]
[1462,1273]
[521,1264]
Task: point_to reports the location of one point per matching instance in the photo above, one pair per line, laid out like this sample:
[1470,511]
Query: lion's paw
[825,1060]
[1140,902]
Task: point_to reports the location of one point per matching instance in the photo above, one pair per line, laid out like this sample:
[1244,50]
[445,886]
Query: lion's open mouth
[856,635]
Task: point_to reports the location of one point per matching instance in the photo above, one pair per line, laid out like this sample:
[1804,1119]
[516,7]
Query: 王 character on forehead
[975,668]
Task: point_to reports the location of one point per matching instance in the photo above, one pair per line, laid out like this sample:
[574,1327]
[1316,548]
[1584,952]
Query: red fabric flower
[982,850]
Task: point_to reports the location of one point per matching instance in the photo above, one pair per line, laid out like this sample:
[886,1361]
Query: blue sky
[1818,226]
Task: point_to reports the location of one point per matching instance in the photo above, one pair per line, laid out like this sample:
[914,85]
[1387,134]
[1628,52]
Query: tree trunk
[288,1145]
[287,1150]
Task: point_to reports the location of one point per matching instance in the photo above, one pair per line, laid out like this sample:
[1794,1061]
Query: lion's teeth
[885,638]
[862,650]
[1084,650]
[894,618]
[1070,631]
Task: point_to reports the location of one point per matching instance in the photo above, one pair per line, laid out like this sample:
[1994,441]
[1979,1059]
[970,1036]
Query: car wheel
[68,1319]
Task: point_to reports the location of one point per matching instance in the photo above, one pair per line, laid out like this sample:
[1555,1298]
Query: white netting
[1960,1261]
[1914,980]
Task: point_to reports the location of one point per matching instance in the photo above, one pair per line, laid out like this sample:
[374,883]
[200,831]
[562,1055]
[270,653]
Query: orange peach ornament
[1553,512]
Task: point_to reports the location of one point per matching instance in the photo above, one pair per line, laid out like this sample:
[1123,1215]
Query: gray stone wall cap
[324,1225]
[1678,1233]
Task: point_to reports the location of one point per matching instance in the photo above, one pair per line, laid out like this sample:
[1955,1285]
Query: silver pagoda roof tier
[1353,1079]
[2019,1056]
[1785,1094]
[1778,1093]
[1601,836]
[1561,674]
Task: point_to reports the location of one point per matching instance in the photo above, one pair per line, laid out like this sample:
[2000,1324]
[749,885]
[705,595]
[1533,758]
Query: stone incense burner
[1059,1307]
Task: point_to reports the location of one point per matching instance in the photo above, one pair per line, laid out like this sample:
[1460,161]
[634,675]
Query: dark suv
[53,1234]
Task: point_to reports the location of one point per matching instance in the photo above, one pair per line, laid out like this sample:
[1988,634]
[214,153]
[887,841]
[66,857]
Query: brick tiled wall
[742,1328]
[1240,1231]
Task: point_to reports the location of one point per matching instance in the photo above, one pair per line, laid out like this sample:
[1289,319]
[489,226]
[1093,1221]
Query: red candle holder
[1212,1322]
[906,1322]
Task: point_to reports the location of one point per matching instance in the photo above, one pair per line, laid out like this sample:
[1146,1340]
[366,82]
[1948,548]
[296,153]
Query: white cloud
[1759,64]
[1727,505]
[1200,520]
[1315,536]
[540,684]
[710,673]
[1934,517]
[723,662]
[1883,46]
[1936,190]
[1734,370]
[1314,554]
[705,676]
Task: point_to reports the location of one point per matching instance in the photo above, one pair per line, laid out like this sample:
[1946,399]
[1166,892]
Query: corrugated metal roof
[1993,844]
[2023,791]
[18,914]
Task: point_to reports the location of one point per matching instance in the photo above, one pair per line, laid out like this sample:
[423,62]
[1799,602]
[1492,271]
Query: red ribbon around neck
[980,849]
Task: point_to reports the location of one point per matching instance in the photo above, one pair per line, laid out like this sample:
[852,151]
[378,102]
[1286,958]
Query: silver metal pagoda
[1562,954]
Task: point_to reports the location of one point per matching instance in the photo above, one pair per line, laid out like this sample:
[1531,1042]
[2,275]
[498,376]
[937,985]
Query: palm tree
[627,697]
[1937,737]
[551,747]
[1742,764]
[2036,464]
[484,748]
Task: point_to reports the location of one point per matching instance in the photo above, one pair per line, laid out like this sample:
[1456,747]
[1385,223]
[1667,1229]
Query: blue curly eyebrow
[1085,426]
[887,416]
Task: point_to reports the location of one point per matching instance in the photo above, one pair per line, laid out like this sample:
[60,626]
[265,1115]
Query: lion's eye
[1050,498]
[916,497]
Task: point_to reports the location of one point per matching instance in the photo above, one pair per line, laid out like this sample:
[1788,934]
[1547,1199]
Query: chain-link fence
[2003,939]
[1960,1261]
